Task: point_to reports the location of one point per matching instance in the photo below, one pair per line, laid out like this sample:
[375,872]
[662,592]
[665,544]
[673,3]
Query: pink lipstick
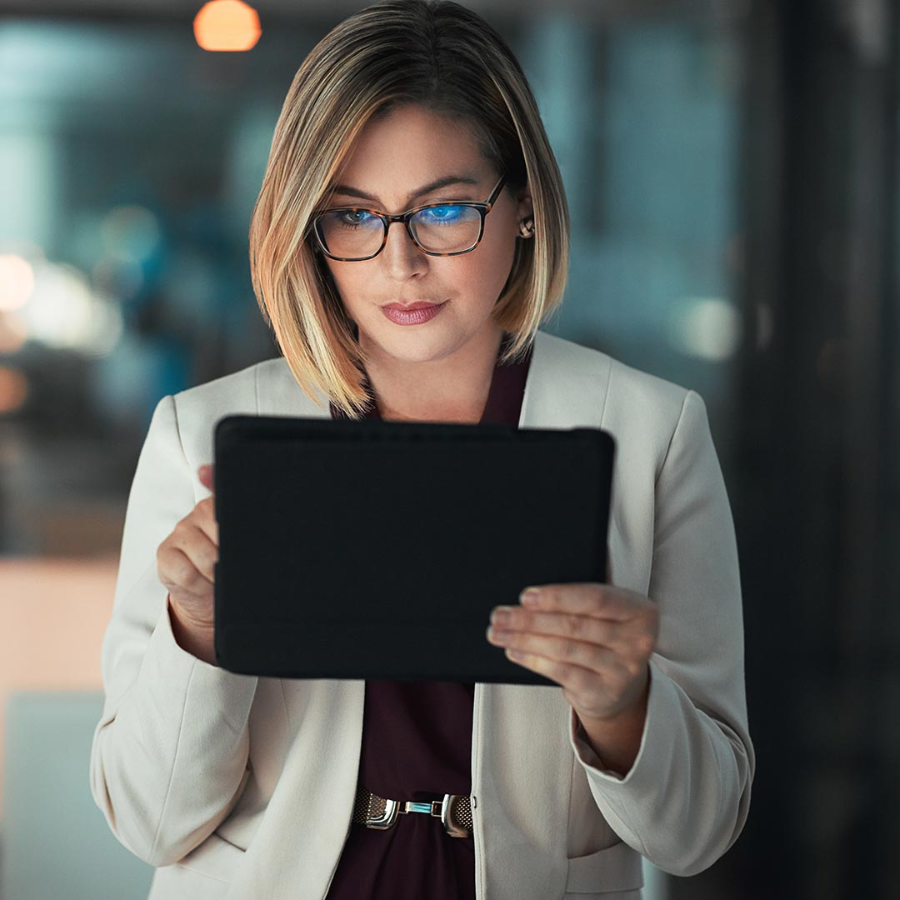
[412,314]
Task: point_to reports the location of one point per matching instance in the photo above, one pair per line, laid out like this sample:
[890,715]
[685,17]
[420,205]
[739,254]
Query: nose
[400,255]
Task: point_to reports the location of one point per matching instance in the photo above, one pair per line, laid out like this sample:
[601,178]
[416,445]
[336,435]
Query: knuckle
[209,561]
[186,573]
[574,624]
[165,554]
[555,670]
[577,679]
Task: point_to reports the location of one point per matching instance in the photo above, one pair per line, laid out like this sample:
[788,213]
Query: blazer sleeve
[686,797]
[169,757]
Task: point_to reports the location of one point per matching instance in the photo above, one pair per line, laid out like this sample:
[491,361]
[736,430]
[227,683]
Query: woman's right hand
[185,561]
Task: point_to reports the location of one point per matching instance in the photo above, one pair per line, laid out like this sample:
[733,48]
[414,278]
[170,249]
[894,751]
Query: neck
[452,389]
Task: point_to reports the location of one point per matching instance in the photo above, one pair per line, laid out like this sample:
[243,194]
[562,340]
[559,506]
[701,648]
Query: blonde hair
[447,59]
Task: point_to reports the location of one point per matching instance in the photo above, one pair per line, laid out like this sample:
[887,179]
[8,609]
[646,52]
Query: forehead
[409,147]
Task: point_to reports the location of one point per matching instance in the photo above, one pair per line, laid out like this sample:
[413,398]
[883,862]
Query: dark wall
[816,505]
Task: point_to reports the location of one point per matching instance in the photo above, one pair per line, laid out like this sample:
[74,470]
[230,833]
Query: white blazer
[243,787]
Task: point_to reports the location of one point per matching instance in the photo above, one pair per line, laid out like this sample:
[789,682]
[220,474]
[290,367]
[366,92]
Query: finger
[589,599]
[196,544]
[558,649]
[178,571]
[577,680]
[205,519]
[205,474]
[604,632]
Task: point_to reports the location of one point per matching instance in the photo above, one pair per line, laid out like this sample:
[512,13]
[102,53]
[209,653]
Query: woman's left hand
[593,639]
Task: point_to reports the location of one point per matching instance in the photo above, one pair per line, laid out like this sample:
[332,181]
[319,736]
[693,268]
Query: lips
[414,313]
[409,307]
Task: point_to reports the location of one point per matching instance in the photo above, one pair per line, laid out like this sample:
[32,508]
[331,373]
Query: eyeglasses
[352,234]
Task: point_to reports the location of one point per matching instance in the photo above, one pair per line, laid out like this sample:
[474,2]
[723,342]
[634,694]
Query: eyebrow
[349,191]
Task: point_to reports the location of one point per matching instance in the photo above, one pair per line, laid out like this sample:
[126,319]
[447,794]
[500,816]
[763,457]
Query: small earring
[526,227]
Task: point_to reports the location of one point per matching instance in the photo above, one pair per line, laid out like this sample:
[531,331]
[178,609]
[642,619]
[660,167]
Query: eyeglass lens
[449,228]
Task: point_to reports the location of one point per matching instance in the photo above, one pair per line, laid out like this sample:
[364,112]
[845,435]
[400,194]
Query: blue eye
[353,218]
[440,215]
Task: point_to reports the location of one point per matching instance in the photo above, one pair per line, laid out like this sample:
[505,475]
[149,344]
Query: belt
[454,811]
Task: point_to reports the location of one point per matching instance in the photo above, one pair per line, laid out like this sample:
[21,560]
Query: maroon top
[417,745]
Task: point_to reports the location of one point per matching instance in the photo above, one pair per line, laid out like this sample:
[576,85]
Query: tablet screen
[377,549]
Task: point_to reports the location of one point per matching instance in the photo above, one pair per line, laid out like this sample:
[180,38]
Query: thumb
[205,473]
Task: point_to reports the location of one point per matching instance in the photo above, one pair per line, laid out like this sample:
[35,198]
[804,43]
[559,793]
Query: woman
[409,239]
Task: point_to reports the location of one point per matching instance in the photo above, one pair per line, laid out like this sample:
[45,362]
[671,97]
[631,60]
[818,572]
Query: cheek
[490,265]
[348,282]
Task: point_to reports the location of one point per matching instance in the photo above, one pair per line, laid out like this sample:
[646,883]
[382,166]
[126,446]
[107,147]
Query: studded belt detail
[454,811]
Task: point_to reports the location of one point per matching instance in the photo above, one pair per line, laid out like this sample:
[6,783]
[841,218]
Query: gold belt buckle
[440,809]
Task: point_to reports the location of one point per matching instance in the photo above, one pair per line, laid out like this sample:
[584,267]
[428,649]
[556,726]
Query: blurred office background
[732,173]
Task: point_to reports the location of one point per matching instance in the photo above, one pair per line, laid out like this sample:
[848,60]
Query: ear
[525,207]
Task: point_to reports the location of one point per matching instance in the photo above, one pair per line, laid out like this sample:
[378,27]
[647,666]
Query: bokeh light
[65,313]
[227,25]
[708,328]
[16,282]
[13,390]
[13,332]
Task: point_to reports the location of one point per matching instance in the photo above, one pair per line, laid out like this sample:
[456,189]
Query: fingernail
[530,596]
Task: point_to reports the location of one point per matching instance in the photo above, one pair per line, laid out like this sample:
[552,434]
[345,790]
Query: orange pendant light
[227,25]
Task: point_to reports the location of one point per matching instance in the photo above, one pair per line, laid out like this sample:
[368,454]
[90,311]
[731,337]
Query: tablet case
[375,549]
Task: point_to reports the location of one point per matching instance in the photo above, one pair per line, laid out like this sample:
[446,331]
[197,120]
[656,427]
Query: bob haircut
[447,59]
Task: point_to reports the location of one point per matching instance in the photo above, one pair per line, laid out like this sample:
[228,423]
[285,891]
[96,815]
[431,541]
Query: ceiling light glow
[227,25]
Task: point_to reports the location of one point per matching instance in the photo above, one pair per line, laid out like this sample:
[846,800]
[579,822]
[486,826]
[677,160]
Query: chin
[408,346]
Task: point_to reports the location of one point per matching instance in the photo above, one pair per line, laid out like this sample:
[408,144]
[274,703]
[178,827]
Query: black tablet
[376,549]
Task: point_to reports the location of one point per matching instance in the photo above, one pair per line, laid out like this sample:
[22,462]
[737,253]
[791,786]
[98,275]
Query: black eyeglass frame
[387,220]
